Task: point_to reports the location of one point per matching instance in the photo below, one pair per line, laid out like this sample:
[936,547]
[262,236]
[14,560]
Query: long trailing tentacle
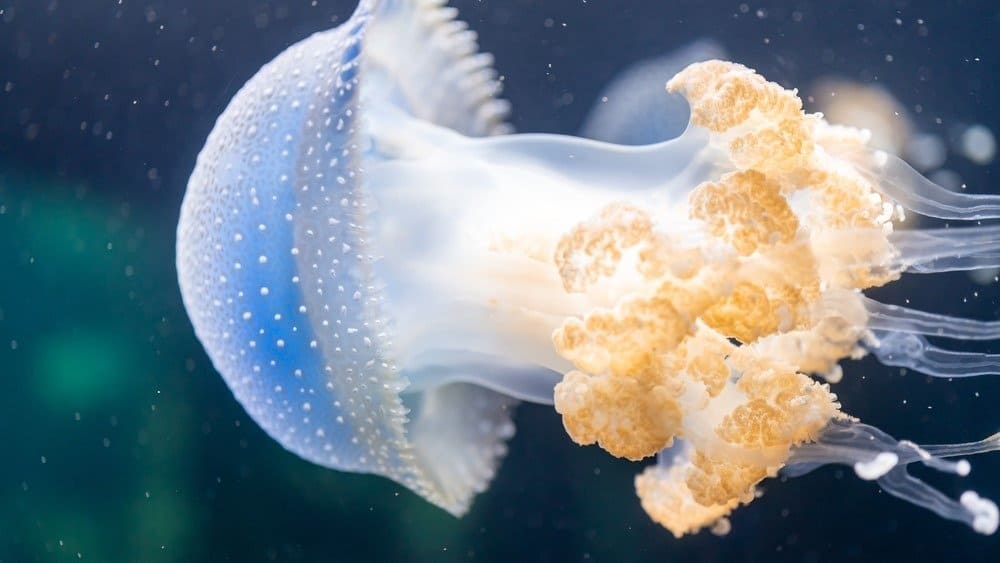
[877,456]
[912,351]
[926,251]
[904,185]
[896,318]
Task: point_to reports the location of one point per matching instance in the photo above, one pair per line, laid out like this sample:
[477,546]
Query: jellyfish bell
[380,274]
[276,267]
[335,313]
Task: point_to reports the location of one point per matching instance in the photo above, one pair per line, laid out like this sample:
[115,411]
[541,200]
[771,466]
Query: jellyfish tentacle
[877,456]
[989,444]
[895,318]
[957,264]
[898,181]
[927,251]
[912,351]
[899,483]
[846,442]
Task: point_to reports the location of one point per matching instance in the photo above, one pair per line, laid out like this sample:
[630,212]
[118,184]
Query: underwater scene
[472,280]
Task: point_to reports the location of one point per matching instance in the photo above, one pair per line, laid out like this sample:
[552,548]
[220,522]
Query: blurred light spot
[83,368]
[926,151]
[864,106]
[978,144]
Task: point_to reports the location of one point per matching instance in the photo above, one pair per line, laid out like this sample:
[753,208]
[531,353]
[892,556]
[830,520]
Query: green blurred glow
[83,368]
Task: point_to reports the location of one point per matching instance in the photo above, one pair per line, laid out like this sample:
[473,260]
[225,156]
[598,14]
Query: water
[125,445]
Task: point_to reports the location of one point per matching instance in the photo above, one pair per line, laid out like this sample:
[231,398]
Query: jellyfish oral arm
[739,230]
[471,235]
[466,229]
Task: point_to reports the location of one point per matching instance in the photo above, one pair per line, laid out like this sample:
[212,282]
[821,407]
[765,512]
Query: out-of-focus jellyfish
[867,106]
[378,280]
[632,109]
[978,144]
[891,126]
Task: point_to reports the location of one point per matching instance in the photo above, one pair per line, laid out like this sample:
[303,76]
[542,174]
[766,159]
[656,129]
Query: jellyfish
[380,270]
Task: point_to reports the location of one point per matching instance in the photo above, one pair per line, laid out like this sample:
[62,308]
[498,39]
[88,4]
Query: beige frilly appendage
[715,346]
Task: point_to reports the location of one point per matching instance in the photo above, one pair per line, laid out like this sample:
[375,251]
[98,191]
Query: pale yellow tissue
[819,349]
[781,150]
[764,129]
[593,249]
[721,482]
[771,291]
[745,209]
[746,314]
[856,258]
[716,343]
[785,406]
[665,496]
[702,358]
[627,417]
[661,257]
[848,200]
[723,95]
[625,338]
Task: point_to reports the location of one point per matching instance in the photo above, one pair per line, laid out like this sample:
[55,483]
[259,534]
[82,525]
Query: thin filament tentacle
[912,351]
[896,318]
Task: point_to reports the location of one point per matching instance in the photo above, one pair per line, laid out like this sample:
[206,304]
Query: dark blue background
[122,444]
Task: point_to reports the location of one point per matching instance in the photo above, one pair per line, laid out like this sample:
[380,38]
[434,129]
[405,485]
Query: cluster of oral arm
[716,338]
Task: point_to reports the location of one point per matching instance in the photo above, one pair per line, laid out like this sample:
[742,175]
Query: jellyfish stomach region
[700,291]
